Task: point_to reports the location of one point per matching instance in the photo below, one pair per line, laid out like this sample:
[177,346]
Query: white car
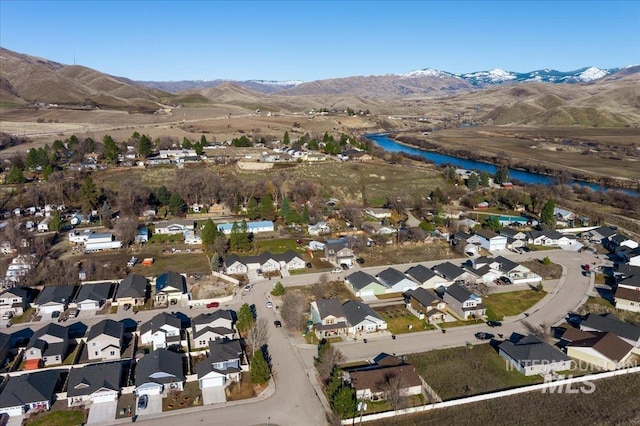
[248,287]
[269,305]
[336,271]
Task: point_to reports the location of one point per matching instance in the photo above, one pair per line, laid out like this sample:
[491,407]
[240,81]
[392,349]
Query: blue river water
[390,145]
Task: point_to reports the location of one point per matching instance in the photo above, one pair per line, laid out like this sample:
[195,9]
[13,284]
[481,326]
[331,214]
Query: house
[378,213]
[93,384]
[337,252]
[632,257]
[172,227]
[241,265]
[328,318]
[395,281]
[14,300]
[161,331]
[19,267]
[104,341]
[54,298]
[599,234]
[513,233]
[424,276]
[531,355]
[29,393]
[217,325]
[425,304]
[318,229]
[361,318]
[78,218]
[93,296]
[289,261]
[101,241]
[142,236]
[5,348]
[132,291]
[452,273]
[628,332]
[159,372]
[372,382]
[234,265]
[602,349]
[463,302]
[222,366]
[363,284]
[378,228]
[563,215]
[256,227]
[48,346]
[491,241]
[490,269]
[43,226]
[170,287]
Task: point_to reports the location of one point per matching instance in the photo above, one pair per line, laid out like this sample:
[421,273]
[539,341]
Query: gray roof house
[54,298]
[5,347]
[159,372]
[424,276]
[395,280]
[453,273]
[338,252]
[531,355]
[217,325]
[222,366]
[132,290]
[170,287]
[161,331]
[425,304]
[93,296]
[30,392]
[328,318]
[104,341]
[15,299]
[361,318]
[363,284]
[94,383]
[463,302]
[628,332]
[48,346]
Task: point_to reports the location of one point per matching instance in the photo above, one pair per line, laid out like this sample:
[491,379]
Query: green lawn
[400,320]
[502,305]
[21,318]
[277,246]
[460,323]
[58,418]
[459,372]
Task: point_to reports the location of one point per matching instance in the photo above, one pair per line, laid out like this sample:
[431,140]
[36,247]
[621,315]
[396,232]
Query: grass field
[552,271]
[460,323]
[58,418]
[459,372]
[502,305]
[406,253]
[614,402]
[400,320]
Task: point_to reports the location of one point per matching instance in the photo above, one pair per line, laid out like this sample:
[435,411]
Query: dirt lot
[407,252]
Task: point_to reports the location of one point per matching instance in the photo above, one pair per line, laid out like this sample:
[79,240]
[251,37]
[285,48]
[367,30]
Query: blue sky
[307,40]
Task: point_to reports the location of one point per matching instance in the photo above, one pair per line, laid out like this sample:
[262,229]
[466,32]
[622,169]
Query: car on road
[248,287]
[277,323]
[484,336]
[494,323]
[143,401]
[132,262]
[213,304]
[269,305]
[360,260]
[336,270]
[344,266]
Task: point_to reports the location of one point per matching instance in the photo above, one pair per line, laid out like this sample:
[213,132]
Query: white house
[161,331]
[43,226]
[94,384]
[159,372]
[491,241]
[531,355]
[361,318]
[396,281]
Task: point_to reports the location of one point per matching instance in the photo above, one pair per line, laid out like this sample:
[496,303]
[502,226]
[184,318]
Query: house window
[202,343]
[94,344]
[32,352]
[112,353]
[57,357]
[96,353]
[329,321]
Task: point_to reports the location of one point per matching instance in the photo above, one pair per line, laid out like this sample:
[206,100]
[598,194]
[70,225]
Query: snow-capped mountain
[428,72]
[285,83]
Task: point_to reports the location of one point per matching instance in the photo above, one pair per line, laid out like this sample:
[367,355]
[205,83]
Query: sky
[312,40]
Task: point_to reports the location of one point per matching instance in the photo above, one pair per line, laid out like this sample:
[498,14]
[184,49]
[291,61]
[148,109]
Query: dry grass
[406,253]
[400,320]
[553,271]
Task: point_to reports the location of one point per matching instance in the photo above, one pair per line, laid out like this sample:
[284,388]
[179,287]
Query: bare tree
[126,229]
[394,389]
[542,331]
[319,289]
[257,336]
[328,358]
[294,311]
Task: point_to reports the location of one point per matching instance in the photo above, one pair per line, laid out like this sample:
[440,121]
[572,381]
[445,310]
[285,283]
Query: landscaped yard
[598,305]
[460,323]
[189,397]
[400,320]
[459,372]
[244,390]
[57,418]
[500,305]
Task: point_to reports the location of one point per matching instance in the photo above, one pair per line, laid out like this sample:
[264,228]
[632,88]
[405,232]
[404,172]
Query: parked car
[248,287]
[309,265]
[494,323]
[73,313]
[269,305]
[55,314]
[143,400]
[360,260]
[132,262]
[344,266]
[484,336]
[213,304]
[336,270]
[277,323]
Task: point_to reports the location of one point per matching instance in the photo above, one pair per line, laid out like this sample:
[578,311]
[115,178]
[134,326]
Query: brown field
[614,402]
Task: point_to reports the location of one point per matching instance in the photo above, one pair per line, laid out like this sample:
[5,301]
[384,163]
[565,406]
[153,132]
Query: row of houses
[510,239]
[266,262]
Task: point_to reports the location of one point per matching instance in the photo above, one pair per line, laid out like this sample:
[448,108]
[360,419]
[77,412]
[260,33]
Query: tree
[393,387]
[126,229]
[105,215]
[209,233]
[473,181]
[285,139]
[328,358]
[56,221]
[484,179]
[89,194]
[203,141]
[110,150]
[278,289]
[260,371]
[257,336]
[176,205]
[334,384]
[493,223]
[266,208]
[546,261]
[344,402]
[502,175]
[547,215]
[245,318]
[294,311]
[15,175]
[145,146]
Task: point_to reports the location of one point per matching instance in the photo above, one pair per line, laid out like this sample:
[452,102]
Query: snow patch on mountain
[590,74]
[428,72]
[287,83]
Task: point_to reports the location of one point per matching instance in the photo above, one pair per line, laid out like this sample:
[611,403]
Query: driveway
[213,395]
[153,407]
[102,413]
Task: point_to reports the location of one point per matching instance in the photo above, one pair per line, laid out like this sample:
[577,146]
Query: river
[522,176]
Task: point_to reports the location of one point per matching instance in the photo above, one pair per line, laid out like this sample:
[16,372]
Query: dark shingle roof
[132,286]
[57,294]
[171,279]
[423,296]
[21,292]
[390,277]
[610,323]
[627,294]
[212,316]
[355,312]
[374,379]
[220,331]
[486,233]
[224,350]
[97,292]
[28,388]
[159,361]
[527,350]
[506,265]
[449,270]
[458,292]
[286,257]
[158,321]
[328,307]
[608,344]
[420,273]
[108,327]
[360,280]
[91,378]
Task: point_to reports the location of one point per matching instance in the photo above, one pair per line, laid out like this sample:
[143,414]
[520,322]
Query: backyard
[466,371]
[500,305]
[400,320]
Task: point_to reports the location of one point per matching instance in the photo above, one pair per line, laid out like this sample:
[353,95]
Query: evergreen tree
[234,237]
[278,289]
[334,384]
[56,221]
[344,402]
[145,146]
[502,175]
[266,208]
[472,182]
[163,195]
[285,139]
[177,206]
[244,239]
[110,150]
[260,372]
[493,223]
[209,232]
[89,194]
[15,175]
[285,208]
[186,143]
[484,179]
[547,215]
[203,141]
[305,215]
[105,215]
[245,318]
[253,212]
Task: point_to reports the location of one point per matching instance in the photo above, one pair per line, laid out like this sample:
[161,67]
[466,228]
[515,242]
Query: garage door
[104,398]
[214,381]
[367,293]
[87,306]
[50,309]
